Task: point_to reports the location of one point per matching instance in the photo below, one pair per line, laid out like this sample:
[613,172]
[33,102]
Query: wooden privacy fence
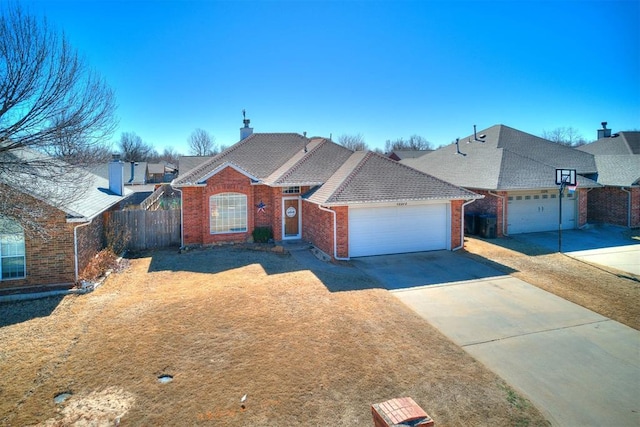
[142,229]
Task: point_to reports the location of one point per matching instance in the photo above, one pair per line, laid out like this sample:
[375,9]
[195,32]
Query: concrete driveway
[603,244]
[576,366]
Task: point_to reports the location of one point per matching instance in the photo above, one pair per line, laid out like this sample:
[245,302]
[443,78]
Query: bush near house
[262,234]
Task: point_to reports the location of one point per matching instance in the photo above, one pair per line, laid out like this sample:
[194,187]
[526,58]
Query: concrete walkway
[578,367]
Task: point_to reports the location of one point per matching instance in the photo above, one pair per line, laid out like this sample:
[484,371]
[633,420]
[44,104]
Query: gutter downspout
[75,246]
[335,233]
[504,217]
[628,206]
[462,225]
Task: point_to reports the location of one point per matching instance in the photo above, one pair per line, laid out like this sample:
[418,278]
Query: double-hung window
[228,213]
[12,254]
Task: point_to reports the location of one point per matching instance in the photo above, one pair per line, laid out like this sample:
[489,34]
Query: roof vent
[458,148]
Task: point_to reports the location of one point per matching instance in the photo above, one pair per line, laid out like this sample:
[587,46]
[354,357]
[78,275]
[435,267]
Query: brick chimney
[246,130]
[604,132]
[116,175]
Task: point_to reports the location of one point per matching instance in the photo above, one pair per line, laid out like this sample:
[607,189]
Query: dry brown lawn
[609,292]
[224,323]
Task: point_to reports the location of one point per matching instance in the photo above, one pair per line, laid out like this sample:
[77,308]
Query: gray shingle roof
[260,155]
[505,159]
[187,163]
[368,177]
[82,195]
[322,159]
[623,143]
[618,170]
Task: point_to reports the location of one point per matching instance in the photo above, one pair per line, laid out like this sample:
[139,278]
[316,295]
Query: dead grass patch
[225,323]
[606,291]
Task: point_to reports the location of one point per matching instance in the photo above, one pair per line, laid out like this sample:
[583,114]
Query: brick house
[345,203]
[57,242]
[515,171]
[617,159]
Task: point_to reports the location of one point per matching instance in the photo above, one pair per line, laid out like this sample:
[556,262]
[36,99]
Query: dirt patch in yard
[607,291]
[227,323]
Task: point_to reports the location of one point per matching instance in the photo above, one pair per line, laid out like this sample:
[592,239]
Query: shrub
[262,234]
[104,261]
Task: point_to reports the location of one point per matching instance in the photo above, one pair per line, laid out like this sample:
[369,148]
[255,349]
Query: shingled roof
[368,177]
[260,154]
[503,158]
[619,143]
[82,195]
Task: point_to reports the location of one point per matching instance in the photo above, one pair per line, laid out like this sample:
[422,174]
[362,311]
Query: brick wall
[610,205]
[317,227]
[342,219]
[456,223]
[49,259]
[583,206]
[192,212]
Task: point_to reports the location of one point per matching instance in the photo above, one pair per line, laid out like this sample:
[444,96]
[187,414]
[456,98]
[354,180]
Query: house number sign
[291,211]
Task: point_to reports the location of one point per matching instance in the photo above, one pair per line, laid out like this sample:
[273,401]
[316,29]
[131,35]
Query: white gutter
[335,234]
[504,217]
[462,225]
[628,206]
[75,245]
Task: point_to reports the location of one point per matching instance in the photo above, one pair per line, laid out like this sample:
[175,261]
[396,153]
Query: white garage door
[398,229]
[532,212]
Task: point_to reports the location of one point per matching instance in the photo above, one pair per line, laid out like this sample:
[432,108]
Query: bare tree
[134,149]
[415,142]
[201,143]
[50,102]
[170,155]
[353,142]
[565,135]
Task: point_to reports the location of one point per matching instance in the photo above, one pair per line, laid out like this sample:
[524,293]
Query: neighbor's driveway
[576,366]
[603,244]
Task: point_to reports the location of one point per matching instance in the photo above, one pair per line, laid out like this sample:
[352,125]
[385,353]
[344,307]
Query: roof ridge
[304,159]
[421,172]
[323,142]
[347,179]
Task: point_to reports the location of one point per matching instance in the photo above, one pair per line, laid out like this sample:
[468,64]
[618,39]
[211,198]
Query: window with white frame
[228,213]
[12,254]
[290,190]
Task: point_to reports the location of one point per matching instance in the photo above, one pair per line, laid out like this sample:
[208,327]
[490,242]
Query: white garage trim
[535,211]
[399,228]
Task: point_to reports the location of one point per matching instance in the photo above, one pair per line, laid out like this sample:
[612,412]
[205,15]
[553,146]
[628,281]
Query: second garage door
[531,212]
[398,229]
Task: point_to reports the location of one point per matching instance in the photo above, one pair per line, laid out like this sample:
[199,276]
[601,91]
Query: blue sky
[384,69]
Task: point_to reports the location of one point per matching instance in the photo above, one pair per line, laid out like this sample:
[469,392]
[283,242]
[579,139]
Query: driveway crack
[534,332]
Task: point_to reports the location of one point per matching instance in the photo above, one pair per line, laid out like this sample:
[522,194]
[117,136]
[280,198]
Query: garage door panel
[536,212]
[384,230]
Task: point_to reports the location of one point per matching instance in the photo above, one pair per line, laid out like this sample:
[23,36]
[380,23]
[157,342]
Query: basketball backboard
[566,177]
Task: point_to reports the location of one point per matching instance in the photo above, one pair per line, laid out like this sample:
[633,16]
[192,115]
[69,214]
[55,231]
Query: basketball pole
[562,185]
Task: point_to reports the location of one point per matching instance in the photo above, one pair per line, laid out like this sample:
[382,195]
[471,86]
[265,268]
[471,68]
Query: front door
[291,213]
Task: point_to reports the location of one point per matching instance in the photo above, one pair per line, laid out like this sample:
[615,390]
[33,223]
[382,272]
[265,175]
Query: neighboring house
[135,173]
[346,203]
[407,154]
[158,173]
[515,171]
[617,159]
[69,210]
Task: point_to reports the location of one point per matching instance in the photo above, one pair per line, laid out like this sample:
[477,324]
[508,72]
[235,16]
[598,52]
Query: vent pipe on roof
[604,132]
[246,130]
[458,148]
